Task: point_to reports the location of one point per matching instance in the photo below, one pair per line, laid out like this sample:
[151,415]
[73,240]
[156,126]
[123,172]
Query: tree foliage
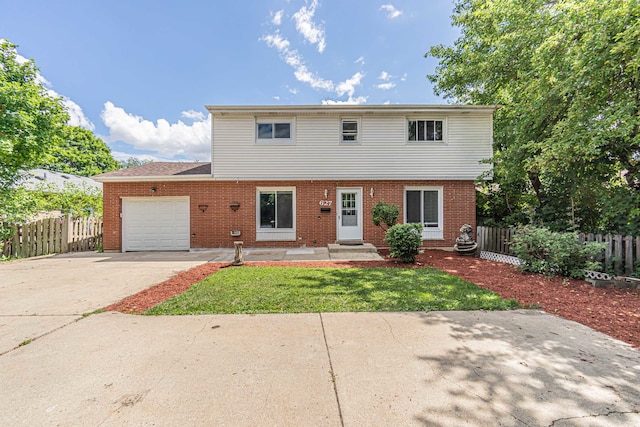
[385,215]
[80,152]
[133,162]
[31,120]
[567,75]
[77,200]
[31,123]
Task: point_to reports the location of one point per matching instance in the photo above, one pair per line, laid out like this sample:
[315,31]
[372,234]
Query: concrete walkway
[515,368]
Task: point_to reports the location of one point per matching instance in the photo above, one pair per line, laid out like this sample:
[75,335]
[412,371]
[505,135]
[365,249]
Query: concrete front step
[364,248]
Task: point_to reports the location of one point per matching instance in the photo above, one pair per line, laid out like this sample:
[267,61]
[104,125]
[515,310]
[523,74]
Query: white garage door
[155,224]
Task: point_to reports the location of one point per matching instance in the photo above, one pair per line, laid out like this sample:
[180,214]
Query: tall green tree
[31,120]
[80,152]
[567,75]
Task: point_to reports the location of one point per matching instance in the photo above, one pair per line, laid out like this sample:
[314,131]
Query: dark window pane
[350,127]
[430,130]
[421,136]
[285,209]
[282,130]
[431,208]
[264,131]
[267,210]
[412,130]
[438,134]
[413,207]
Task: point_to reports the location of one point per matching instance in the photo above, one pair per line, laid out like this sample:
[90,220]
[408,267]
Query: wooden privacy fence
[620,256]
[495,239]
[54,235]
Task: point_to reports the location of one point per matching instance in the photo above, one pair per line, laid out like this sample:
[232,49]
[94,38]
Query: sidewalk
[514,368]
[346,253]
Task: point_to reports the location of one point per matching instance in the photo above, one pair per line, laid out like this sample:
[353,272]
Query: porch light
[234,206]
[372,192]
[203,207]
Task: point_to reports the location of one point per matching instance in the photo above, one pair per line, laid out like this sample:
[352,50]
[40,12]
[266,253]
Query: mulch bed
[615,312]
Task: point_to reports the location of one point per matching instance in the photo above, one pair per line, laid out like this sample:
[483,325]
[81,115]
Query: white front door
[349,214]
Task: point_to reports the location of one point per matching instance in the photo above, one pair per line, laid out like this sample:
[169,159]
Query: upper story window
[278,132]
[425,130]
[349,130]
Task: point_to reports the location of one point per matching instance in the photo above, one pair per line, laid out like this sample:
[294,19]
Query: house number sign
[326,203]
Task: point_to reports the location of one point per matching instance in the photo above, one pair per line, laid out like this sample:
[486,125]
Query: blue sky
[138,73]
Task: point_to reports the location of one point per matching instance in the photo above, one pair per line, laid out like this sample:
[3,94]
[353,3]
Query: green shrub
[404,241]
[543,251]
[385,215]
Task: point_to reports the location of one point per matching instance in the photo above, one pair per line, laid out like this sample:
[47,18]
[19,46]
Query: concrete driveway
[38,295]
[516,368]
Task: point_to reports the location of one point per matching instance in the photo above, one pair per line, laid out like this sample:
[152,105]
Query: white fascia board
[349,178]
[345,109]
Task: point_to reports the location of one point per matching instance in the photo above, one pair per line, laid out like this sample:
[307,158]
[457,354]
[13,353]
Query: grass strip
[251,289]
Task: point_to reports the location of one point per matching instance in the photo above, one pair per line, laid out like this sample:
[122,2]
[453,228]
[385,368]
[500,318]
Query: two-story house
[306,175]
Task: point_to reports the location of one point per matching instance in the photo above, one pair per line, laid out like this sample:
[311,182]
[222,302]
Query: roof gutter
[346,109]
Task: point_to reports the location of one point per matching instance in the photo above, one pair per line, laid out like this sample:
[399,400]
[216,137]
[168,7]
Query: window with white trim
[349,130]
[423,205]
[276,214]
[274,131]
[425,130]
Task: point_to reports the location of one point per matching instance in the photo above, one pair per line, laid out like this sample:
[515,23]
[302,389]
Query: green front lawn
[309,290]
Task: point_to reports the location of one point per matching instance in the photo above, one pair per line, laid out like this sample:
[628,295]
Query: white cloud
[76,115]
[350,101]
[392,12]
[193,115]
[303,75]
[277,98]
[293,91]
[313,33]
[386,86]
[122,156]
[277,41]
[404,77]
[276,18]
[349,86]
[359,61]
[386,77]
[168,140]
[293,58]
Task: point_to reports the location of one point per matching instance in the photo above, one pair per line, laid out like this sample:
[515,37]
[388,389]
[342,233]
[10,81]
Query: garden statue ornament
[238,258]
[465,245]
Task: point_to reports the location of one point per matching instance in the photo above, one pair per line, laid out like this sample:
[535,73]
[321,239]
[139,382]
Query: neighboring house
[48,182]
[306,175]
[55,181]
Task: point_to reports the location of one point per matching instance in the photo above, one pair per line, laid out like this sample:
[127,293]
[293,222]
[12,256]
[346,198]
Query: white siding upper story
[382,150]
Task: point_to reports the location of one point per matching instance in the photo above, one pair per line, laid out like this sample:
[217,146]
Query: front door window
[349,210]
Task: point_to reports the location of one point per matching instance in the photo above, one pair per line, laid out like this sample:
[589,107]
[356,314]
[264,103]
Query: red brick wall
[211,229]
